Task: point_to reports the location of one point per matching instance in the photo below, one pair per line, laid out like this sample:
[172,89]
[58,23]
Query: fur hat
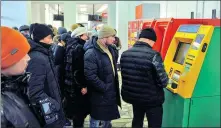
[79,31]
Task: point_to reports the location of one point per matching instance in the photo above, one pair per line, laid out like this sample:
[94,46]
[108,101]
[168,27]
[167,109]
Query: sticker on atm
[187,68]
[197,42]
[195,46]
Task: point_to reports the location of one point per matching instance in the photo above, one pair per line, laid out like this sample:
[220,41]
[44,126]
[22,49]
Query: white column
[111,13]
[122,23]
[38,13]
[125,12]
[69,14]
[42,13]
[29,14]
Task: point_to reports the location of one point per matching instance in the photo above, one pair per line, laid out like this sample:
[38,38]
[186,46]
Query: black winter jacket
[43,82]
[15,110]
[103,85]
[143,76]
[74,78]
[58,58]
[74,63]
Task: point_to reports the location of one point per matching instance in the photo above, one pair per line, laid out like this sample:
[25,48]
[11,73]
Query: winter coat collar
[40,47]
[140,43]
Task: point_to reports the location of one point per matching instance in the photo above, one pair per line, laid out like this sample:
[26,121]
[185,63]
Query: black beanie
[40,31]
[148,33]
[32,26]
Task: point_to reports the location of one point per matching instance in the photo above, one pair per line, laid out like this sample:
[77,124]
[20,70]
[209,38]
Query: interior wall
[38,13]
[81,18]
[168,9]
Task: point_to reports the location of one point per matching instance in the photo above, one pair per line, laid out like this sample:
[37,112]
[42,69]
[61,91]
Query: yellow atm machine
[192,97]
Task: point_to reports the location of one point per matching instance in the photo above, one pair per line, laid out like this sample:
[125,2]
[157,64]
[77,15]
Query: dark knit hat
[65,37]
[62,30]
[32,26]
[148,33]
[41,31]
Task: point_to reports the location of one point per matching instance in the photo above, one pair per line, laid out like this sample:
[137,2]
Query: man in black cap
[24,30]
[43,87]
[143,80]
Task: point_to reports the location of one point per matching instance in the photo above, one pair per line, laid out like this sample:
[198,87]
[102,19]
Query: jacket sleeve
[91,72]
[58,54]
[10,115]
[162,77]
[4,121]
[38,70]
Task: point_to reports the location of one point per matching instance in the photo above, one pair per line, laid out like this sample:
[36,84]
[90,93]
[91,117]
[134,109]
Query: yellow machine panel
[185,57]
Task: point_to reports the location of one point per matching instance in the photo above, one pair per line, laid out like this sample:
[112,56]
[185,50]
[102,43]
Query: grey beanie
[106,31]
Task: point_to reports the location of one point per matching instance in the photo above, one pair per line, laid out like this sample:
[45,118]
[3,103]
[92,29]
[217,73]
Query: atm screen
[181,52]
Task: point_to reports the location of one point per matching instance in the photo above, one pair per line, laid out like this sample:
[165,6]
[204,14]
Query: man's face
[47,40]
[25,32]
[84,37]
[18,68]
[110,40]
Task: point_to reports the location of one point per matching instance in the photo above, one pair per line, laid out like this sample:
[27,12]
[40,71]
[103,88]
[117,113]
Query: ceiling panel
[88,7]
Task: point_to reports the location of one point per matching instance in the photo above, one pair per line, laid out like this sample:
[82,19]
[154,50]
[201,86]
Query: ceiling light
[83,5]
[83,9]
[103,7]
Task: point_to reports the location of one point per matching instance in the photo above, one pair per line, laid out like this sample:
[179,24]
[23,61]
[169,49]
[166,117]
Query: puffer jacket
[15,110]
[102,83]
[143,76]
[44,82]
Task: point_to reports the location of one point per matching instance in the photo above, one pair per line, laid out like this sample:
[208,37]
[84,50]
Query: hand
[60,44]
[84,91]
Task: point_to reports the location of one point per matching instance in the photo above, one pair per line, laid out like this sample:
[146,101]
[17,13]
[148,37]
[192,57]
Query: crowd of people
[50,76]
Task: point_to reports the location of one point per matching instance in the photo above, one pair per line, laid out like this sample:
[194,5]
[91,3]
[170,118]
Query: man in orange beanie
[14,103]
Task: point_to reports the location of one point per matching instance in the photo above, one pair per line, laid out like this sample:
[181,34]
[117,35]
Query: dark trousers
[78,121]
[154,116]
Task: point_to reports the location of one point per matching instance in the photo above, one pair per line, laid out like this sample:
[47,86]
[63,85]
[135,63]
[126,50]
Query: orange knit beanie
[14,47]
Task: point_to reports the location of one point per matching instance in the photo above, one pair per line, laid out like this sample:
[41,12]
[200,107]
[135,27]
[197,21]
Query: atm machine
[192,96]
[165,29]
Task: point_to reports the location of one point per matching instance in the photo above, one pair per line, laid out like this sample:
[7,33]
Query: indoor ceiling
[84,8]
[88,8]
